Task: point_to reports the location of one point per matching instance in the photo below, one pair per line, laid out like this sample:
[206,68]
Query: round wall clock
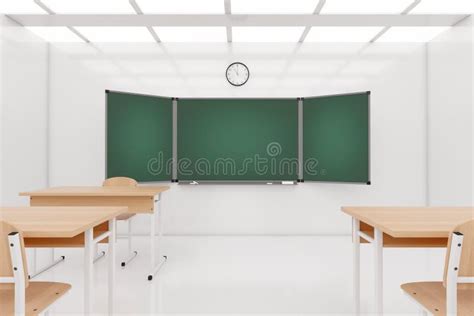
[237,74]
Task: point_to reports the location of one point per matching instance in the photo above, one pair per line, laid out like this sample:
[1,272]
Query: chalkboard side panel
[336,138]
[138,136]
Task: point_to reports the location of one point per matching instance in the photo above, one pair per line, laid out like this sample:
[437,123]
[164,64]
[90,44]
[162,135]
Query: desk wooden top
[98,191]
[412,222]
[57,221]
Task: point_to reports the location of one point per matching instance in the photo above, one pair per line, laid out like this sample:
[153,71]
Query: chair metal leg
[452,274]
[16,257]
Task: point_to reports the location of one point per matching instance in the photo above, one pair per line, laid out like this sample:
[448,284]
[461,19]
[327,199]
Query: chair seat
[432,296]
[124,217]
[39,296]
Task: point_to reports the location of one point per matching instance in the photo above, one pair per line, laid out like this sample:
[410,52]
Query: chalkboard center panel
[237,139]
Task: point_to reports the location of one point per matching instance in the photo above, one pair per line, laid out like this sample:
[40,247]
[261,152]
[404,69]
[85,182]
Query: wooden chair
[18,296]
[455,295]
[124,182]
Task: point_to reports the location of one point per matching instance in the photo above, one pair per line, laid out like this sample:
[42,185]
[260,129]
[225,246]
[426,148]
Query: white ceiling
[237,34]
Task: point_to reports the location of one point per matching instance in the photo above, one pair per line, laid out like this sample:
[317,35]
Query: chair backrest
[6,268]
[120,182]
[466,261]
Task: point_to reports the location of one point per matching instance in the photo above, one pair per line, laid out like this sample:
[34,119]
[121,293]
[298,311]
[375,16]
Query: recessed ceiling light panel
[182,6]
[116,33]
[365,6]
[267,34]
[411,34]
[444,7]
[342,34]
[55,34]
[274,6]
[20,7]
[191,34]
[89,6]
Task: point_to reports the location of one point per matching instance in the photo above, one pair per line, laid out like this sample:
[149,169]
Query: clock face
[237,74]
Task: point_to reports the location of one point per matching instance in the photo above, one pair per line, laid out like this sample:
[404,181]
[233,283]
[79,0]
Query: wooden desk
[51,223]
[399,227]
[137,199]
[141,199]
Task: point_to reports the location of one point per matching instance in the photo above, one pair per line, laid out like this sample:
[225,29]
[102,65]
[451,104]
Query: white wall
[394,73]
[451,141]
[23,112]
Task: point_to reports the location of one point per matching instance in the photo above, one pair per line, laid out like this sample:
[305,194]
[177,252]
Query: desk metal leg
[378,268]
[111,267]
[129,234]
[152,298]
[35,258]
[156,218]
[131,253]
[88,269]
[356,264]
[152,241]
[51,253]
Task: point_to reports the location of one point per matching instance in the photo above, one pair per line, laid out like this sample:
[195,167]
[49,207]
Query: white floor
[247,275]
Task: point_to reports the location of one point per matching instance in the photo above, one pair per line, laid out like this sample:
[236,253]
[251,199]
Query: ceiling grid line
[150,29]
[386,28]
[70,28]
[377,36]
[228,11]
[317,11]
[237,20]
[297,21]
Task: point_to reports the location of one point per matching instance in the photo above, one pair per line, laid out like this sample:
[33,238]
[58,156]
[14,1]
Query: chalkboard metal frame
[300,102]
[300,140]
[369,153]
[231,182]
[240,98]
[107,91]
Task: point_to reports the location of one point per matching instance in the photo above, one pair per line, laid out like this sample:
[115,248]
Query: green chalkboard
[237,139]
[336,138]
[139,136]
